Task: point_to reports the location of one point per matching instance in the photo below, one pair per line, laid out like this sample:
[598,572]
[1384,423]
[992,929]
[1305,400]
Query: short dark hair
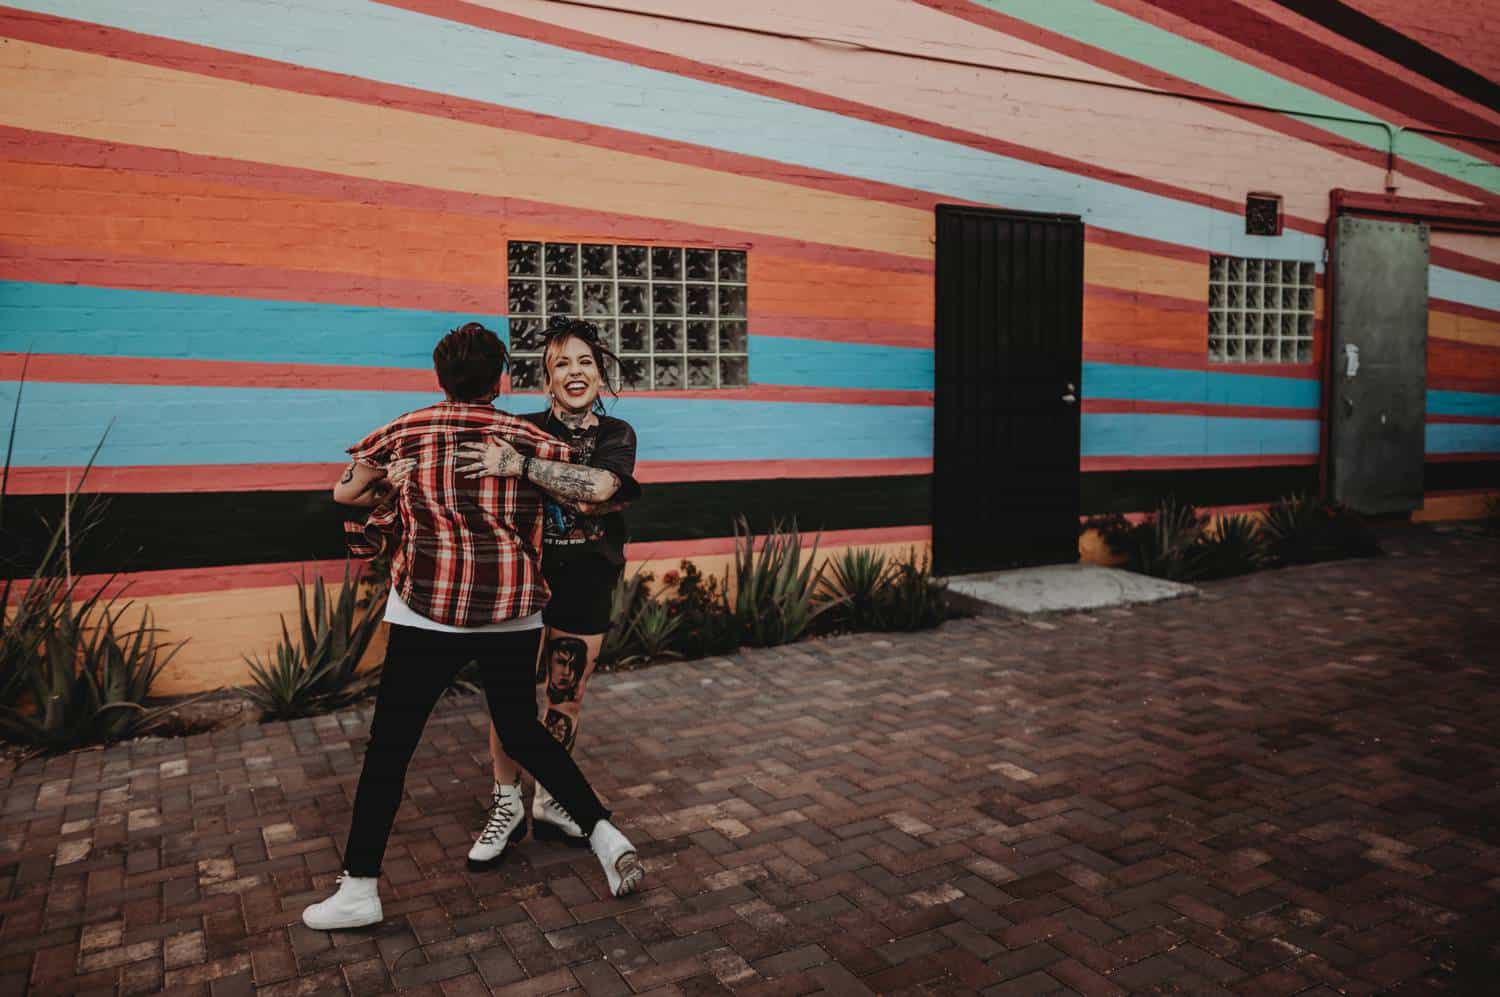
[469,360]
[561,329]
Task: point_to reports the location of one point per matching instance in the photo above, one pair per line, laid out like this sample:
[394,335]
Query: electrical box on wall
[1262,214]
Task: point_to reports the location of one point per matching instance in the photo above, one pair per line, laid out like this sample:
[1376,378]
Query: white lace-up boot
[553,822]
[622,867]
[505,823]
[355,905]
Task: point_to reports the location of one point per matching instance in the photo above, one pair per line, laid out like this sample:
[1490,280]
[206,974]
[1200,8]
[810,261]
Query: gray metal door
[1378,376]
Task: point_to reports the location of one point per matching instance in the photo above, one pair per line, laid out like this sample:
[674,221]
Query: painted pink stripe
[184,581]
[1127,463]
[311,477]
[1160,302]
[1158,79]
[62,265]
[236,374]
[665,549]
[1147,357]
[1108,406]
[841,330]
[514,213]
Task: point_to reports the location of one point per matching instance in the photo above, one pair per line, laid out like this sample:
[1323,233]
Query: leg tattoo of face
[565,659]
[560,726]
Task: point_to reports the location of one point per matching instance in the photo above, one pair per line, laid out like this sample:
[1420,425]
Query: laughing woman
[583,555]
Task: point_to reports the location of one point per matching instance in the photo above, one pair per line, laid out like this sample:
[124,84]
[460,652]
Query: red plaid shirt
[464,551]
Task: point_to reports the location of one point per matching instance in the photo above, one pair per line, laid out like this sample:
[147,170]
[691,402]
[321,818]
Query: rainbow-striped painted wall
[234,228]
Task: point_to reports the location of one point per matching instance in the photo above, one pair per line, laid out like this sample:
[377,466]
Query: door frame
[1440,216]
[1063,218]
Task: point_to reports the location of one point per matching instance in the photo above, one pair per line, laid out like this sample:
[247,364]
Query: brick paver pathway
[1286,786]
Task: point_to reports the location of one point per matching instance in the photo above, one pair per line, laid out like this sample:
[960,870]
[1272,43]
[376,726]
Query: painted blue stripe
[1128,382]
[1124,435]
[1465,288]
[1463,403]
[400,47]
[818,363]
[76,320]
[1459,437]
[154,425]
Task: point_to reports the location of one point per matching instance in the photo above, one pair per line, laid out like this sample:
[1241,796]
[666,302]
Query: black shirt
[610,446]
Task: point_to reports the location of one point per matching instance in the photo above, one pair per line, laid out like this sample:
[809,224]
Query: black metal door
[1009,336]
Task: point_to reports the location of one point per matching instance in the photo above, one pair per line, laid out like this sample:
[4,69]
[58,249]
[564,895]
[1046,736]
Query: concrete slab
[1060,588]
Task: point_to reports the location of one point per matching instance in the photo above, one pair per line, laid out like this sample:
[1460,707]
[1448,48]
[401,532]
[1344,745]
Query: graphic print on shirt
[566,526]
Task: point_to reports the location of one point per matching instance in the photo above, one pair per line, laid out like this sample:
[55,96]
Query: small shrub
[656,628]
[1233,545]
[317,670]
[707,627]
[1491,519]
[910,598]
[775,588]
[1158,545]
[631,594]
[1304,530]
[858,579]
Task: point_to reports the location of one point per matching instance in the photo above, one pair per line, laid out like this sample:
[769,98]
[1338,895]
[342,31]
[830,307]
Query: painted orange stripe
[1194,358]
[1169,463]
[55,264]
[831,538]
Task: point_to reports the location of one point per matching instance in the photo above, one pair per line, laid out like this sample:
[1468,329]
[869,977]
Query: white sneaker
[355,905]
[553,822]
[506,823]
[622,867]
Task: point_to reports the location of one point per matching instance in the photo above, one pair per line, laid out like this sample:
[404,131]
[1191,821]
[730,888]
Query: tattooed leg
[563,668]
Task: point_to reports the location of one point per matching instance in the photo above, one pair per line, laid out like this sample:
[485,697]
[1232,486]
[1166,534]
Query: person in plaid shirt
[466,585]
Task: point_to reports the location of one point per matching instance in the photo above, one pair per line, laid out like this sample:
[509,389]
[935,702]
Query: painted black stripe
[144,532]
[1140,491]
[148,532]
[1457,475]
[1364,30]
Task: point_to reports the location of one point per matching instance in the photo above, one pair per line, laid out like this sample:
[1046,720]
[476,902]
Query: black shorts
[583,593]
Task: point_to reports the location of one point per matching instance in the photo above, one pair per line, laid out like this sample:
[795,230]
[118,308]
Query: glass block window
[1259,311]
[675,315]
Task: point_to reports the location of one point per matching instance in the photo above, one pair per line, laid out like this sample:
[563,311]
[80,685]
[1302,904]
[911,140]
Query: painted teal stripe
[1103,27]
[1458,437]
[395,46]
[1161,384]
[76,320]
[60,424]
[1465,288]
[816,363]
[1463,403]
[1115,435]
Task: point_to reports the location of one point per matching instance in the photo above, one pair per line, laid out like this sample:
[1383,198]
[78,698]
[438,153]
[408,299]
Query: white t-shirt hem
[399,613]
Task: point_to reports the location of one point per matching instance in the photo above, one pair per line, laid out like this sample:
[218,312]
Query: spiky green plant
[856,575]
[630,595]
[910,598]
[1233,545]
[656,628]
[318,669]
[1302,529]
[774,598]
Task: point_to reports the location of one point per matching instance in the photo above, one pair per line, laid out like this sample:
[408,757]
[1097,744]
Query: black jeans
[419,665]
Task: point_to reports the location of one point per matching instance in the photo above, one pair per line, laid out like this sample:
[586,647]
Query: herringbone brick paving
[1287,785]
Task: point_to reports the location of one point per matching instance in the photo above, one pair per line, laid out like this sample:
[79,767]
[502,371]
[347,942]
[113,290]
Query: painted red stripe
[1460,457]
[63,265]
[185,581]
[1108,406]
[1473,420]
[667,549]
[515,213]
[1160,302]
[1178,359]
[236,374]
[1448,382]
[841,330]
[1276,46]
[1143,244]
[1160,80]
[1128,463]
[311,477]
[1452,259]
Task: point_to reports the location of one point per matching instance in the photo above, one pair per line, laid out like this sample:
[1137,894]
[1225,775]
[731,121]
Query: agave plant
[857,575]
[630,596]
[910,598]
[317,670]
[774,598]
[655,628]
[1303,530]
[1234,545]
